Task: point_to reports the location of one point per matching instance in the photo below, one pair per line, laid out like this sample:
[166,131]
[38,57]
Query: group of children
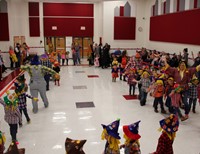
[168,126]
[157,82]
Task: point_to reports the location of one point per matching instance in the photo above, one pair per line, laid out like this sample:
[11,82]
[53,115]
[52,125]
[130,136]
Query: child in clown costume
[12,114]
[37,83]
[169,127]
[131,136]
[2,142]
[111,135]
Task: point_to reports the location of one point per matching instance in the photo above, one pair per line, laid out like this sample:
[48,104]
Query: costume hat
[74,146]
[44,56]
[170,124]
[112,129]
[35,60]
[194,79]
[13,149]
[131,131]
[21,78]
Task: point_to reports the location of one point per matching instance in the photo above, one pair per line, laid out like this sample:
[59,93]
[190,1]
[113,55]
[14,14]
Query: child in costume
[56,68]
[169,127]
[111,135]
[193,93]
[175,99]
[74,146]
[37,82]
[114,73]
[2,142]
[158,91]
[131,136]
[132,81]
[168,90]
[145,84]
[20,89]
[12,114]
[63,57]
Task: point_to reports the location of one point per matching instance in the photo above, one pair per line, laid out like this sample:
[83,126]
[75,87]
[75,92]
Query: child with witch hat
[169,127]
[132,145]
[111,135]
[12,114]
[74,146]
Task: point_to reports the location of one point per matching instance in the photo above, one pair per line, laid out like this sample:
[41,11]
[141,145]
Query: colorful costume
[12,114]
[132,81]
[2,141]
[56,68]
[169,127]
[131,136]
[74,146]
[110,133]
[114,73]
[37,82]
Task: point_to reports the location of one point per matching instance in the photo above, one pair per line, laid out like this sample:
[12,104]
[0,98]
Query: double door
[85,43]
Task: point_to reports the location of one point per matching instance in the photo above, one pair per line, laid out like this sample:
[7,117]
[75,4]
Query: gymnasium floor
[49,127]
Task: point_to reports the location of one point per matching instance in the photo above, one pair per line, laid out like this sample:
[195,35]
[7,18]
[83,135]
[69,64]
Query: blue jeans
[185,101]
[143,97]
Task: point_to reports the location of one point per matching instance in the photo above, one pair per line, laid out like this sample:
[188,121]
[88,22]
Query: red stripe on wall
[121,11]
[68,9]
[180,27]
[164,9]
[178,5]
[124,28]
[4,28]
[34,26]
[69,27]
[33,8]
[195,3]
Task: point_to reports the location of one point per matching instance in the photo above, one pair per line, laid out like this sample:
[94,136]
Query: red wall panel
[195,3]
[33,8]
[124,28]
[178,5]
[121,11]
[4,28]
[68,9]
[34,26]
[180,27]
[68,27]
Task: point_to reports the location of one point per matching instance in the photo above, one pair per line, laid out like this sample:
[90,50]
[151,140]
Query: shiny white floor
[49,127]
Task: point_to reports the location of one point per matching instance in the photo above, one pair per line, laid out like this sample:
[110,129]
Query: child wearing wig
[169,127]
[158,92]
[131,136]
[111,135]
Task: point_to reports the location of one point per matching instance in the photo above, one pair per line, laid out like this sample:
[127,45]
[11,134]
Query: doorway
[85,43]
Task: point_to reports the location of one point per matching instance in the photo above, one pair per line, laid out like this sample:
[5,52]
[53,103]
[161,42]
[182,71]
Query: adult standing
[182,75]
[106,56]
[78,52]
[37,83]
[18,54]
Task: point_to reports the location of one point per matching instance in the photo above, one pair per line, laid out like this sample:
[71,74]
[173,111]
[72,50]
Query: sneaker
[156,110]
[29,121]
[163,112]
[184,118]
